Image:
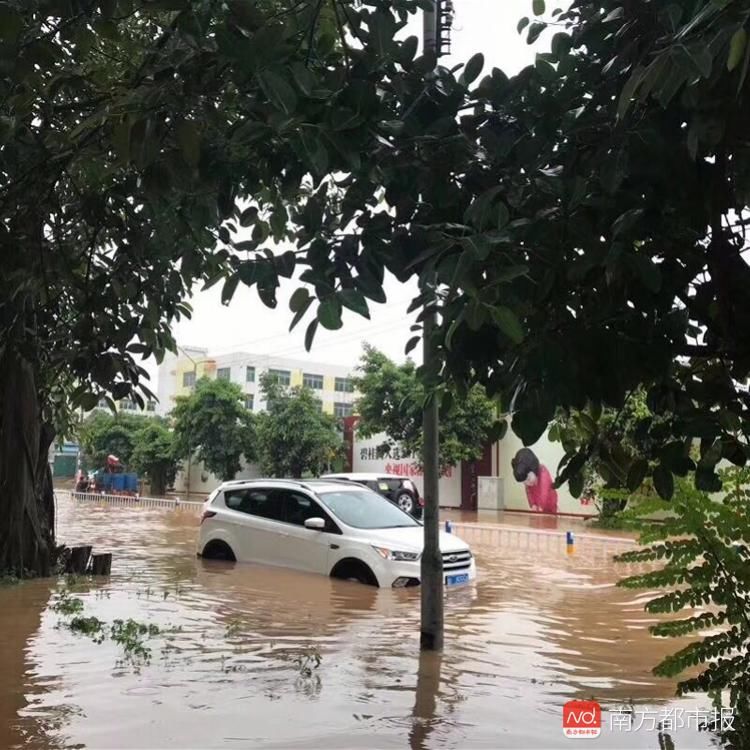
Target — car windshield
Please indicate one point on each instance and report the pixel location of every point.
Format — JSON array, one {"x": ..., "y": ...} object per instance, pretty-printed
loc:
[{"x": 363, "y": 509}]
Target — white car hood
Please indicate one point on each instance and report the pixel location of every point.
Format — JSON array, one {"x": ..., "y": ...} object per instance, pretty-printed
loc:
[{"x": 411, "y": 539}]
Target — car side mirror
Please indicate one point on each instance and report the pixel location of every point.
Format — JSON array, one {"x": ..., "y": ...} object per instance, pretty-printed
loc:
[{"x": 316, "y": 524}]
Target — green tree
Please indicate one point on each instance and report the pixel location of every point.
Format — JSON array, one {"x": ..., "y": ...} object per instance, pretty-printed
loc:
[
  {"x": 618, "y": 445},
  {"x": 154, "y": 455},
  {"x": 136, "y": 139},
  {"x": 295, "y": 437},
  {"x": 704, "y": 576},
  {"x": 392, "y": 401},
  {"x": 584, "y": 221},
  {"x": 213, "y": 425},
  {"x": 103, "y": 433}
]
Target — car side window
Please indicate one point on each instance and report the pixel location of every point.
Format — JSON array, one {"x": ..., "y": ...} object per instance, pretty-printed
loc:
[
  {"x": 298, "y": 508},
  {"x": 255, "y": 502}
]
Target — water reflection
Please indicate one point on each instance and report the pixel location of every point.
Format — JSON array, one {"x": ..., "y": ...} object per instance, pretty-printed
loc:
[
  {"x": 536, "y": 629},
  {"x": 425, "y": 702}
]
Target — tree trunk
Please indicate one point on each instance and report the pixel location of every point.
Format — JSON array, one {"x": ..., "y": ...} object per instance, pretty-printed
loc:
[
  {"x": 27, "y": 503},
  {"x": 158, "y": 482}
]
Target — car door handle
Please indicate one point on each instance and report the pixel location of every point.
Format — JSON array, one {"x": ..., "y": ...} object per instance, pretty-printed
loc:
[{"x": 334, "y": 546}]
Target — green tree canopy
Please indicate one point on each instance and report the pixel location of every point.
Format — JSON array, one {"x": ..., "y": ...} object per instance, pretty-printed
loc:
[
  {"x": 295, "y": 437},
  {"x": 213, "y": 425},
  {"x": 154, "y": 455},
  {"x": 103, "y": 433},
  {"x": 392, "y": 401},
  {"x": 146, "y": 145}
]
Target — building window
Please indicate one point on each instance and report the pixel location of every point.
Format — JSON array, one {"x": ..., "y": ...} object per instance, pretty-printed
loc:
[
  {"x": 282, "y": 377},
  {"x": 249, "y": 374},
  {"x": 128, "y": 405},
  {"x": 224, "y": 373},
  {"x": 344, "y": 385},
  {"x": 312, "y": 381},
  {"x": 188, "y": 379},
  {"x": 249, "y": 401},
  {"x": 151, "y": 406},
  {"x": 342, "y": 410}
]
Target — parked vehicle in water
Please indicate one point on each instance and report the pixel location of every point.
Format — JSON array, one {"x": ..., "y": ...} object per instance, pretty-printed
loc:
[
  {"x": 111, "y": 479},
  {"x": 334, "y": 527},
  {"x": 399, "y": 490}
]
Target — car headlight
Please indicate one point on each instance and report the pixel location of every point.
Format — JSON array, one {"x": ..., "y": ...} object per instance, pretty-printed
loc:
[{"x": 397, "y": 555}]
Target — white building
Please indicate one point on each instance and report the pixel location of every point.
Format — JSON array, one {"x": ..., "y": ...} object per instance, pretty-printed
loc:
[{"x": 177, "y": 374}]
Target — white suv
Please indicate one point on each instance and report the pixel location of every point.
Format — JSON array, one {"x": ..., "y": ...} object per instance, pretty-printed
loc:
[{"x": 335, "y": 528}]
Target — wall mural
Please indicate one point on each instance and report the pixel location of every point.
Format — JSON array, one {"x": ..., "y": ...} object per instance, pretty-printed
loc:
[{"x": 540, "y": 488}]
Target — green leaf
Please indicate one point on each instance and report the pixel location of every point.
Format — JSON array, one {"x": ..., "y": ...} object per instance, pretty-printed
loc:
[
  {"x": 522, "y": 24},
  {"x": 329, "y": 314},
  {"x": 614, "y": 15},
  {"x": 664, "y": 482},
  {"x": 355, "y": 301},
  {"x": 478, "y": 245},
  {"x": 575, "y": 484},
  {"x": 628, "y": 91},
  {"x": 649, "y": 272},
  {"x": 248, "y": 216},
  {"x": 480, "y": 211},
  {"x": 538, "y": 7},
  {"x": 535, "y": 31},
  {"x": 230, "y": 287},
  {"x": 278, "y": 91},
  {"x": 412, "y": 343},
  {"x": 310, "y": 334},
  {"x": 189, "y": 139},
  {"x": 509, "y": 273},
  {"x": 300, "y": 312},
  {"x": 88, "y": 401},
  {"x": 701, "y": 57},
  {"x": 637, "y": 474},
  {"x": 303, "y": 78},
  {"x": 736, "y": 48},
  {"x": 503, "y": 215},
  {"x": 473, "y": 69},
  {"x": 299, "y": 299},
  {"x": 11, "y": 23},
  {"x": 507, "y": 321},
  {"x": 475, "y": 314},
  {"x": 315, "y": 152}
]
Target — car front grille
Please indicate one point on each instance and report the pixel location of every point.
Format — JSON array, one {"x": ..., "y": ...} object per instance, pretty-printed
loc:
[{"x": 456, "y": 560}]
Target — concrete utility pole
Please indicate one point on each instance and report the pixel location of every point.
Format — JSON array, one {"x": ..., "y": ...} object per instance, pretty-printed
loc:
[{"x": 435, "y": 38}]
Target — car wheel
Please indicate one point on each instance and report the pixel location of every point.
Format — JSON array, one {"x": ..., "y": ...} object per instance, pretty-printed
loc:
[
  {"x": 405, "y": 501},
  {"x": 218, "y": 550},
  {"x": 354, "y": 570}
]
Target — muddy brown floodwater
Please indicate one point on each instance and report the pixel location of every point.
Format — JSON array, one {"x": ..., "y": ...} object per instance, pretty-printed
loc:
[{"x": 538, "y": 628}]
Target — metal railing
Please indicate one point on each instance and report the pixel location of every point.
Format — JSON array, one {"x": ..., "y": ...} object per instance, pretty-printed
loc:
[{"x": 132, "y": 501}]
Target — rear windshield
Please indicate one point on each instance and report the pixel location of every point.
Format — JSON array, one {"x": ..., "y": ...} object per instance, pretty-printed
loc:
[{"x": 363, "y": 509}]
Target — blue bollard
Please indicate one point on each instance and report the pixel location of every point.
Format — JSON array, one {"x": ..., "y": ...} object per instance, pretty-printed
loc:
[{"x": 448, "y": 527}]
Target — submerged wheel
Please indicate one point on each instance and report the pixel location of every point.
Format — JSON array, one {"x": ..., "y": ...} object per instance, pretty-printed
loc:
[
  {"x": 218, "y": 550},
  {"x": 354, "y": 570}
]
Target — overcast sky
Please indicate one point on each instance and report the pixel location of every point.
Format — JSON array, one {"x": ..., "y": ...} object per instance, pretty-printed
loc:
[{"x": 487, "y": 26}]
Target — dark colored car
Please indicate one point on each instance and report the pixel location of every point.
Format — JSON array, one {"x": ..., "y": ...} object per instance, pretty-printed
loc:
[{"x": 399, "y": 490}]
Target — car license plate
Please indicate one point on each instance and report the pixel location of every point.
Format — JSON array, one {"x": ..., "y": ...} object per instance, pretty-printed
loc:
[{"x": 454, "y": 580}]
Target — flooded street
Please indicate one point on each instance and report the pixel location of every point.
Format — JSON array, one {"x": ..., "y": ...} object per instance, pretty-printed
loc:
[{"x": 239, "y": 669}]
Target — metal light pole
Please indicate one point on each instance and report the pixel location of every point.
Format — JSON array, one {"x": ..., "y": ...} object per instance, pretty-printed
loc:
[
  {"x": 190, "y": 456},
  {"x": 435, "y": 28}
]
